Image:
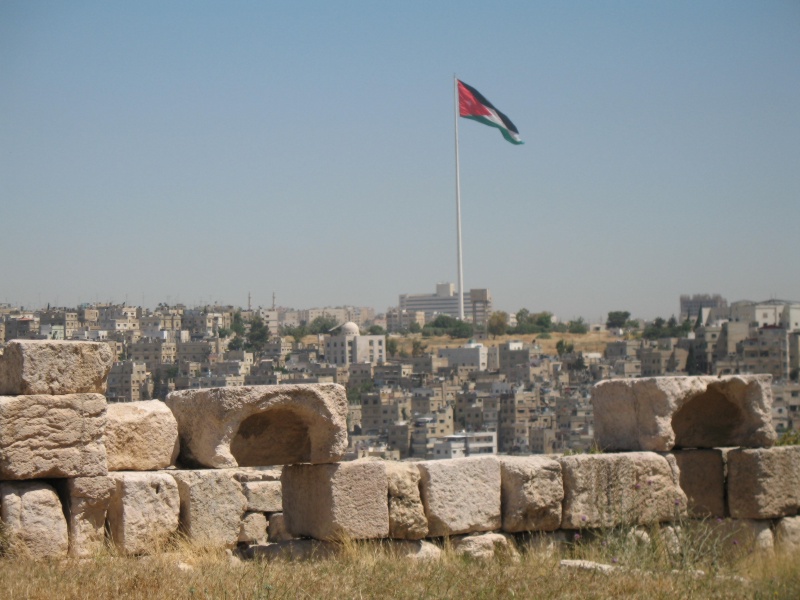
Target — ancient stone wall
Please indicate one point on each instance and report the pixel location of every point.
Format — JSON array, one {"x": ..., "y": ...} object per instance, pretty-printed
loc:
[{"x": 258, "y": 466}]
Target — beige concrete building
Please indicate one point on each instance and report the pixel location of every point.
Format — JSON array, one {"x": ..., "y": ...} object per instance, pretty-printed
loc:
[
  {"x": 349, "y": 346},
  {"x": 129, "y": 381}
]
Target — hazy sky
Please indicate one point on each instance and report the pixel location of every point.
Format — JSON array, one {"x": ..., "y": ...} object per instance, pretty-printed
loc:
[{"x": 197, "y": 151}]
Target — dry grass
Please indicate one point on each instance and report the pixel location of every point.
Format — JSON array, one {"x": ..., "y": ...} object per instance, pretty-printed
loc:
[{"x": 370, "y": 571}]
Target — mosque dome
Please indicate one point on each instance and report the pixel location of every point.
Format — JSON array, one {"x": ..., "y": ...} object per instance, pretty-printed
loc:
[{"x": 350, "y": 328}]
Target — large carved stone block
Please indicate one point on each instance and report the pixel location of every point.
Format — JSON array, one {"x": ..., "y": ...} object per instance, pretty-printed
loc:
[
  {"x": 532, "y": 492},
  {"x": 331, "y": 502},
  {"x": 764, "y": 483},
  {"x": 263, "y": 496},
  {"x": 141, "y": 436},
  {"x": 29, "y": 367},
  {"x": 261, "y": 425},
  {"x": 212, "y": 506},
  {"x": 604, "y": 490},
  {"x": 32, "y": 515},
  {"x": 144, "y": 510},
  {"x": 702, "y": 478},
  {"x": 406, "y": 513},
  {"x": 461, "y": 495},
  {"x": 52, "y": 436},
  {"x": 662, "y": 413},
  {"x": 87, "y": 507}
]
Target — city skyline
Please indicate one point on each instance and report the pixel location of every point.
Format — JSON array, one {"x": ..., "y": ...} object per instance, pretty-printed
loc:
[{"x": 199, "y": 152}]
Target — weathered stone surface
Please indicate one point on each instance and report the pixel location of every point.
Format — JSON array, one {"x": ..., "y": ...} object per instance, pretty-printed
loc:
[
  {"x": 764, "y": 483},
  {"x": 603, "y": 490},
  {"x": 787, "y": 535},
  {"x": 30, "y": 367},
  {"x": 33, "y": 518},
  {"x": 295, "y": 550},
  {"x": 659, "y": 413},
  {"x": 246, "y": 474},
  {"x": 253, "y": 528},
  {"x": 261, "y": 425},
  {"x": 331, "y": 502},
  {"x": 461, "y": 495},
  {"x": 141, "y": 436},
  {"x": 144, "y": 510},
  {"x": 485, "y": 545},
  {"x": 406, "y": 514},
  {"x": 702, "y": 478},
  {"x": 276, "y": 529},
  {"x": 87, "y": 507},
  {"x": 532, "y": 492},
  {"x": 52, "y": 436},
  {"x": 415, "y": 549},
  {"x": 212, "y": 506},
  {"x": 263, "y": 496}
]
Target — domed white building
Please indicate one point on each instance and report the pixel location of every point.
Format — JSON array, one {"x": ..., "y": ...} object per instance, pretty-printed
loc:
[{"x": 349, "y": 346}]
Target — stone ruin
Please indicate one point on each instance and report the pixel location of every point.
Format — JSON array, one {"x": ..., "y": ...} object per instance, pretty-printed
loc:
[{"x": 259, "y": 467}]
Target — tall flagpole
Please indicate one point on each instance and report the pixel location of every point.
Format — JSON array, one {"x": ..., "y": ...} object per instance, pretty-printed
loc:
[{"x": 458, "y": 212}]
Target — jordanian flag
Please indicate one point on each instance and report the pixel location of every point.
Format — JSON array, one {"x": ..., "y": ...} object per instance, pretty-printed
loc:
[{"x": 472, "y": 105}]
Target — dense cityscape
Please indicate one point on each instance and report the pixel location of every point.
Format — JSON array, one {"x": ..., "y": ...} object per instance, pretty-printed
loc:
[{"x": 420, "y": 382}]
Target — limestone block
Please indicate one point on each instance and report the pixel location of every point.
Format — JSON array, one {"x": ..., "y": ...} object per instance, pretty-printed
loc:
[
  {"x": 87, "y": 507},
  {"x": 787, "y": 535},
  {"x": 45, "y": 436},
  {"x": 261, "y": 425},
  {"x": 484, "y": 545},
  {"x": 603, "y": 490},
  {"x": 415, "y": 549},
  {"x": 141, "y": 436},
  {"x": 331, "y": 502},
  {"x": 144, "y": 510},
  {"x": 764, "y": 483},
  {"x": 461, "y": 495},
  {"x": 659, "y": 413},
  {"x": 702, "y": 478},
  {"x": 33, "y": 518},
  {"x": 406, "y": 514},
  {"x": 263, "y": 496},
  {"x": 276, "y": 529},
  {"x": 212, "y": 506},
  {"x": 30, "y": 367},
  {"x": 253, "y": 528},
  {"x": 532, "y": 492},
  {"x": 246, "y": 474}
]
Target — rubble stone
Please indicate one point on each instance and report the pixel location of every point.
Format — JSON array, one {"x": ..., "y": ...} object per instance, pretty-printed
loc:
[
  {"x": 532, "y": 493},
  {"x": 603, "y": 490},
  {"x": 331, "y": 502},
  {"x": 44, "y": 436},
  {"x": 461, "y": 495},
  {"x": 764, "y": 483},
  {"x": 702, "y": 478},
  {"x": 212, "y": 506},
  {"x": 484, "y": 545},
  {"x": 263, "y": 496},
  {"x": 659, "y": 413},
  {"x": 276, "y": 529},
  {"x": 87, "y": 507},
  {"x": 787, "y": 535},
  {"x": 32, "y": 515},
  {"x": 406, "y": 512},
  {"x": 51, "y": 367},
  {"x": 253, "y": 528},
  {"x": 141, "y": 436},
  {"x": 144, "y": 510},
  {"x": 261, "y": 425}
]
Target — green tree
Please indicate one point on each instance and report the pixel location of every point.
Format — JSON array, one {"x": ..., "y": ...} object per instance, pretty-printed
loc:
[
  {"x": 257, "y": 337},
  {"x": 692, "y": 366},
  {"x": 236, "y": 344},
  {"x": 498, "y": 323},
  {"x": 414, "y": 327},
  {"x": 377, "y": 330},
  {"x": 391, "y": 347},
  {"x": 617, "y": 319},
  {"x": 237, "y": 324},
  {"x": 578, "y": 326},
  {"x": 417, "y": 348},
  {"x": 563, "y": 347},
  {"x": 298, "y": 332},
  {"x": 322, "y": 324}
]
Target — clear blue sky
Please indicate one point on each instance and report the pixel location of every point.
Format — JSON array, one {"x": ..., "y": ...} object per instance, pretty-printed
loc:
[{"x": 197, "y": 151}]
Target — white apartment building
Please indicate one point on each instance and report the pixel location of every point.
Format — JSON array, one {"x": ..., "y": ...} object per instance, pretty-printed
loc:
[
  {"x": 459, "y": 445},
  {"x": 349, "y": 346},
  {"x": 471, "y": 356},
  {"x": 477, "y": 303}
]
